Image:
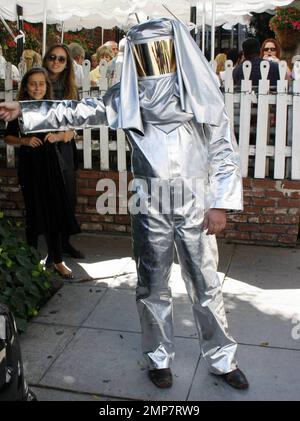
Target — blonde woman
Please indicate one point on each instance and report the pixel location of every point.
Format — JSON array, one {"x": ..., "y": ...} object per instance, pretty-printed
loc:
[
  {"x": 32, "y": 59},
  {"x": 103, "y": 53}
]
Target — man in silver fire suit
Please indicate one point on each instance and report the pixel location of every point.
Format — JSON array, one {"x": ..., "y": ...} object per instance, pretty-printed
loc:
[{"x": 169, "y": 104}]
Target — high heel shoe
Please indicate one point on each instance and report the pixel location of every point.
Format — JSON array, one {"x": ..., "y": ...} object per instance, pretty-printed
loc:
[{"x": 68, "y": 275}]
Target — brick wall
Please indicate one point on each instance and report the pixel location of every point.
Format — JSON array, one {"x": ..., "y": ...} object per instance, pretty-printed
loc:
[
  {"x": 11, "y": 199},
  {"x": 270, "y": 217},
  {"x": 87, "y": 197},
  {"x": 271, "y": 213}
]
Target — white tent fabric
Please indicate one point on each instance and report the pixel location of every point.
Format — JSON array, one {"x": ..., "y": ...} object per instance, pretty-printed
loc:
[{"x": 110, "y": 13}]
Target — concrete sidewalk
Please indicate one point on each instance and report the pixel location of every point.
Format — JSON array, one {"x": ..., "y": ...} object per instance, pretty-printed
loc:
[{"x": 85, "y": 343}]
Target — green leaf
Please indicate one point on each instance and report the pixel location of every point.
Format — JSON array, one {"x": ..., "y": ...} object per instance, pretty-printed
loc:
[
  {"x": 35, "y": 273},
  {"x": 7, "y": 292},
  {"x": 32, "y": 312},
  {"x": 24, "y": 261},
  {"x": 9, "y": 263},
  {"x": 47, "y": 285}
]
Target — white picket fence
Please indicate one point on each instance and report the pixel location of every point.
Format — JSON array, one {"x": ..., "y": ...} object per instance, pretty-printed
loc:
[
  {"x": 275, "y": 131},
  {"x": 266, "y": 123}
]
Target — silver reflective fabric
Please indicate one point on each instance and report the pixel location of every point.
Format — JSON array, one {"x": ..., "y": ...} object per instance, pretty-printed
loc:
[
  {"x": 44, "y": 116},
  {"x": 180, "y": 135}
]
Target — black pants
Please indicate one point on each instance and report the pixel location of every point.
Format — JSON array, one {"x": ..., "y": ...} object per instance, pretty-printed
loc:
[
  {"x": 54, "y": 244},
  {"x": 31, "y": 238}
]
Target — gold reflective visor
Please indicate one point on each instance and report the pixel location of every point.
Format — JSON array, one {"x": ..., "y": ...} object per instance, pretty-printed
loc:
[{"x": 155, "y": 58}]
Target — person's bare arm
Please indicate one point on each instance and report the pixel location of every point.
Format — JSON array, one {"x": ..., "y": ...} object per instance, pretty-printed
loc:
[
  {"x": 31, "y": 141},
  {"x": 60, "y": 136}
]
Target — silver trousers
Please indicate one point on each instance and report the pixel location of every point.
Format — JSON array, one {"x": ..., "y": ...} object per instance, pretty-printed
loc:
[{"x": 154, "y": 237}]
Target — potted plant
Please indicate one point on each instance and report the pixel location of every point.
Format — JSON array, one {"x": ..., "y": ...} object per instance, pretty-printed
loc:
[
  {"x": 24, "y": 284},
  {"x": 286, "y": 26}
]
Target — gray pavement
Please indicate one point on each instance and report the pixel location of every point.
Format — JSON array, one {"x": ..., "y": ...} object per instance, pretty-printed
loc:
[{"x": 85, "y": 343}]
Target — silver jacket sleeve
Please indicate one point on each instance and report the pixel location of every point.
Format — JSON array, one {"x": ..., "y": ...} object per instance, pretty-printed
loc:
[
  {"x": 43, "y": 116},
  {"x": 226, "y": 189}
]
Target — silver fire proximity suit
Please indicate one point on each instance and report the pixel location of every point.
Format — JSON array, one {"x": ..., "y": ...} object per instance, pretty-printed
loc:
[{"x": 170, "y": 106}]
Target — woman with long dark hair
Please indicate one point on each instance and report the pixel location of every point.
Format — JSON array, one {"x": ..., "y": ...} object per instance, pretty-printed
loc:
[
  {"x": 58, "y": 63},
  {"x": 47, "y": 204}
]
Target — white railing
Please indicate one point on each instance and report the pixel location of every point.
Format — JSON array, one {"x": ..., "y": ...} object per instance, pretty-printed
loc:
[{"x": 266, "y": 123}]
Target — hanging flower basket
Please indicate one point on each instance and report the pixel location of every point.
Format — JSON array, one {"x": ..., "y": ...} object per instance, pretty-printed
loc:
[
  {"x": 287, "y": 39},
  {"x": 286, "y": 25}
]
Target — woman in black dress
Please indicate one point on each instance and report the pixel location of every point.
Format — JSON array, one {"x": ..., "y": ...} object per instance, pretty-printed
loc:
[
  {"x": 58, "y": 63},
  {"x": 41, "y": 176}
]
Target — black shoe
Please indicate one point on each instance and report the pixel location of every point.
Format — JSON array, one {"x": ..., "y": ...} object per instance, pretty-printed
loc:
[
  {"x": 236, "y": 379},
  {"x": 162, "y": 377},
  {"x": 71, "y": 251}
]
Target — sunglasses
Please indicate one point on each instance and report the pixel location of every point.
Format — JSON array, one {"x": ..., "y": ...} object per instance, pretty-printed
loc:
[
  {"x": 60, "y": 59},
  {"x": 270, "y": 49}
]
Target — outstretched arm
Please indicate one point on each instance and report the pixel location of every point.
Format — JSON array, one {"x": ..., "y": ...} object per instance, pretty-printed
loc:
[
  {"x": 43, "y": 116},
  {"x": 10, "y": 110}
]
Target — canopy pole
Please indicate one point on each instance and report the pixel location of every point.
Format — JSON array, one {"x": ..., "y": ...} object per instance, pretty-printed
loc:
[
  {"x": 20, "y": 41},
  {"x": 203, "y": 25},
  {"x": 62, "y": 32},
  {"x": 232, "y": 37},
  {"x": 193, "y": 19},
  {"x": 7, "y": 28},
  {"x": 213, "y": 29},
  {"x": 44, "y": 28},
  {"x": 171, "y": 13}
]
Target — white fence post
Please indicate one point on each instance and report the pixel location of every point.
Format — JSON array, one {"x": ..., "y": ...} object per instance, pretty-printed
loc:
[
  {"x": 87, "y": 135},
  {"x": 228, "y": 87},
  {"x": 22, "y": 68},
  {"x": 296, "y": 124},
  {"x": 281, "y": 123},
  {"x": 8, "y": 96},
  {"x": 245, "y": 117},
  {"x": 104, "y": 148},
  {"x": 121, "y": 150},
  {"x": 262, "y": 121},
  {"x": 104, "y": 131}
]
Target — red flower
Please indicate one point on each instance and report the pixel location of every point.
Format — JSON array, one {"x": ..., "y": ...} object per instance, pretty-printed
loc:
[
  {"x": 285, "y": 18},
  {"x": 27, "y": 26},
  {"x": 296, "y": 25},
  {"x": 11, "y": 44}
]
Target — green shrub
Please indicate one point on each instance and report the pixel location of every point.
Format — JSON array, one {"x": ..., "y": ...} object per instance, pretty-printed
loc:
[{"x": 24, "y": 284}]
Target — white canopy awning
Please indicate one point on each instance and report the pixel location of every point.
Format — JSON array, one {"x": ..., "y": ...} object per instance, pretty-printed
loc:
[{"x": 110, "y": 13}]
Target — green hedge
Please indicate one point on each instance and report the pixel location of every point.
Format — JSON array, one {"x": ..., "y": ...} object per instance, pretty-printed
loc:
[{"x": 24, "y": 284}]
